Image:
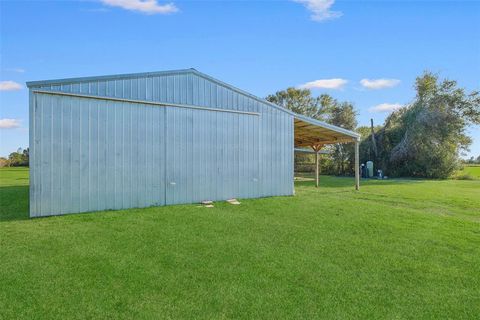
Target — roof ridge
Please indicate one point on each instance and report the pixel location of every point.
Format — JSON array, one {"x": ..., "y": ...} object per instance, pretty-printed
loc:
[{"x": 109, "y": 77}]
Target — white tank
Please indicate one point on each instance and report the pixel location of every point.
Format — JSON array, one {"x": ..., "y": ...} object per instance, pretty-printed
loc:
[{"x": 370, "y": 169}]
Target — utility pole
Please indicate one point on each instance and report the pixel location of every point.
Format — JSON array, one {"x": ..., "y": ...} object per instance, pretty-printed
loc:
[{"x": 374, "y": 143}]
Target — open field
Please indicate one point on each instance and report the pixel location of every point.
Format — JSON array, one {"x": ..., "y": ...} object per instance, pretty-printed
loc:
[
  {"x": 472, "y": 170},
  {"x": 396, "y": 249}
]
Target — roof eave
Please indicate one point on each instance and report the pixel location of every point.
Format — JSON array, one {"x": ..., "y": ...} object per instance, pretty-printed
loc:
[
  {"x": 107, "y": 77},
  {"x": 325, "y": 125}
]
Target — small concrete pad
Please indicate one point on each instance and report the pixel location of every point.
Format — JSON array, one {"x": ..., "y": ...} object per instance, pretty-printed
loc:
[{"x": 233, "y": 201}]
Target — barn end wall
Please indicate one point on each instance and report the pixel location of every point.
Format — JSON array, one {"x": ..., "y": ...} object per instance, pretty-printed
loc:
[{"x": 89, "y": 154}]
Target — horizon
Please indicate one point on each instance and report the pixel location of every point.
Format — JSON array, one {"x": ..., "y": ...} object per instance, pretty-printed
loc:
[{"x": 245, "y": 44}]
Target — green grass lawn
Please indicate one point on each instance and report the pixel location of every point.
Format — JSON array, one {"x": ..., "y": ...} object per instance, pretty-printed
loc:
[
  {"x": 472, "y": 170},
  {"x": 397, "y": 249}
]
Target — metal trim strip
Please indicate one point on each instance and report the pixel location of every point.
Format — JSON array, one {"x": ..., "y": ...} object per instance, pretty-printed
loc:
[{"x": 163, "y": 104}]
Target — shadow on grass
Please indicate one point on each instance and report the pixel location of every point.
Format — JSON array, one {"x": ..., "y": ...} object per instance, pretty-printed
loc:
[
  {"x": 14, "y": 203},
  {"x": 14, "y": 199},
  {"x": 342, "y": 182}
]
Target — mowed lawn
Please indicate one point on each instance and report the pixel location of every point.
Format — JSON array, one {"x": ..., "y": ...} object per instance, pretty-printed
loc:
[
  {"x": 397, "y": 249},
  {"x": 472, "y": 170}
]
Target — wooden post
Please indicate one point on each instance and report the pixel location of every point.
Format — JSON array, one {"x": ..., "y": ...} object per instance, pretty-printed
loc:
[
  {"x": 357, "y": 165},
  {"x": 317, "y": 149}
]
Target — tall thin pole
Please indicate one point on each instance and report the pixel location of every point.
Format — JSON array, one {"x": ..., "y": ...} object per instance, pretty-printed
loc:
[
  {"x": 374, "y": 143},
  {"x": 317, "y": 149},
  {"x": 357, "y": 165}
]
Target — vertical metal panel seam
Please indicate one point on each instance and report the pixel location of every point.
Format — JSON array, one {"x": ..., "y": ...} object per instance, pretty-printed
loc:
[
  {"x": 35, "y": 158},
  {"x": 32, "y": 171},
  {"x": 145, "y": 170},
  {"x": 165, "y": 153},
  {"x": 105, "y": 159},
  {"x": 41, "y": 157},
  {"x": 61, "y": 103},
  {"x": 70, "y": 104},
  {"x": 79, "y": 153},
  {"x": 115, "y": 178},
  {"x": 238, "y": 163},
  {"x": 149, "y": 147},
  {"x": 98, "y": 106}
]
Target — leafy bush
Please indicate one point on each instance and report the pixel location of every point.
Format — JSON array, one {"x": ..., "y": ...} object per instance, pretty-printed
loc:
[{"x": 425, "y": 138}]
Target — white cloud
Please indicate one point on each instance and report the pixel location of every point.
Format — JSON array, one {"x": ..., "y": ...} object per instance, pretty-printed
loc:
[
  {"x": 375, "y": 84},
  {"x": 9, "y": 123},
  {"x": 144, "y": 6},
  {"x": 336, "y": 83},
  {"x": 101, "y": 10},
  {"x": 320, "y": 9},
  {"x": 10, "y": 86},
  {"x": 386, "y": 107},
  {"x": 19, "y": 70}
]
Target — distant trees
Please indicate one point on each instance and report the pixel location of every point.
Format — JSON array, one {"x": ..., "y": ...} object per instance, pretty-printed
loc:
[
  {"x": 425, "y": 138},
  {"x": 473, "y": 160},
  {"x": 16, "y": 159},
  {"x": 342, "y": 114}
]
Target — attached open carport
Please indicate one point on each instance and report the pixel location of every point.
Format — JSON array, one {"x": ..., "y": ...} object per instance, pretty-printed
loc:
[{"x": 311, "y": 133}]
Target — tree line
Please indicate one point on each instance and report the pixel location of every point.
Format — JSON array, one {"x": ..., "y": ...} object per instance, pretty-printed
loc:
[
  {"x": 425, "y": 138},
  {"x": 20, "y": 158},
  {"x": 472, "y": 160}
]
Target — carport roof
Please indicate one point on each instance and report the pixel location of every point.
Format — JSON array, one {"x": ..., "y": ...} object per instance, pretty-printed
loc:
[{"x": 309, "y": 132}]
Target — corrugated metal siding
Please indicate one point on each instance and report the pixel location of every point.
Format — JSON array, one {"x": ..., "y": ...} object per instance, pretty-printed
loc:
[
  {"x": 276, "y": 152},
  {"x": 188, "y": 88},
  {"x": 92, "y": 155},
  {"x": 88, "y": 154},
  {"x": 206, "y": 155}
]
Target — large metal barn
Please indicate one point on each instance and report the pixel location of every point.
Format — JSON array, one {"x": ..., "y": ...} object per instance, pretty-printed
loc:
[{"x": 160, "y": 138}]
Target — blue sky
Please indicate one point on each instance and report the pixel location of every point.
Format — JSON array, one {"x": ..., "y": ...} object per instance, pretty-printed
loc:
[{"x": 258, "y": 46}]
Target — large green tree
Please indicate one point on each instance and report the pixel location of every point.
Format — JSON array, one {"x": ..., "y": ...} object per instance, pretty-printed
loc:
[
  {"x": 19, "y": 158},
  {"x": 426, "y": 137},
  {"x": 299, "y": 101},
  {"x": 343, "y": 114}
]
